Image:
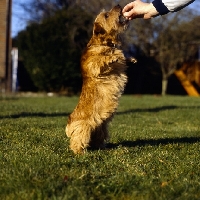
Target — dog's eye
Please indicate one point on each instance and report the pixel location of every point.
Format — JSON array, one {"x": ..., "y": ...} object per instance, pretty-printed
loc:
[{"x": 106, "y": 15}]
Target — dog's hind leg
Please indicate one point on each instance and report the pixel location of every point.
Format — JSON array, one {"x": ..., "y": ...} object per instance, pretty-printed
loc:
[
  {"x": 99, "y": 136},
  {"x": 80, "y": 133}
]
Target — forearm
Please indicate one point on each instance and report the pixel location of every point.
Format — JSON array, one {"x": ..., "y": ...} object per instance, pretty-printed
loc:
[{"x": 165, "y": 6}]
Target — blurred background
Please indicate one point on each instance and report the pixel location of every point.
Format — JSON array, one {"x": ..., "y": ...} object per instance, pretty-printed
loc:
[{"x": 42, "y": 41}]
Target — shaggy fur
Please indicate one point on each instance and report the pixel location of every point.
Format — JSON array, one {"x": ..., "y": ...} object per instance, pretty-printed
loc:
[{"x": 103, "y": 68}]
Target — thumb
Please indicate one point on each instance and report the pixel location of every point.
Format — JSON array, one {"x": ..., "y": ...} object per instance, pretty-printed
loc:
[{"x": 126, "y": 14}]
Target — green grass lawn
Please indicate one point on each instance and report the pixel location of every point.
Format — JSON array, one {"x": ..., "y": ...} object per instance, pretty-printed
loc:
[{"x": 154, "y": 151}]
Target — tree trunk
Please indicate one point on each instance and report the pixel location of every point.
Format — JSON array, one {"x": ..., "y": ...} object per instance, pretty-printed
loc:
[{"x": 164, "y": 86}]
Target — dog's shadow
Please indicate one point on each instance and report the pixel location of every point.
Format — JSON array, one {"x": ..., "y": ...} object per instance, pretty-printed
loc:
[
  {"x": 156, "y": 109},
  {"x": 35, "y": 114},
  {"x": 153, "y": 142}
]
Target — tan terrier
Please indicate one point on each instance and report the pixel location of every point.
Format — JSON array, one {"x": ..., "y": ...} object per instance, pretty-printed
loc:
[{"x": 103, "y": 68}]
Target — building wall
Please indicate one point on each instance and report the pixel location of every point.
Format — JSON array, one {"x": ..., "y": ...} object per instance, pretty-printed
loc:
[{"x": 3, "y": 27}]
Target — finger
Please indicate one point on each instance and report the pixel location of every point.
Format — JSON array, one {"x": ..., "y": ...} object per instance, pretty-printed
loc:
[
  {"x": 128, "y": 7},
  {"x": 129, "y": 14}
]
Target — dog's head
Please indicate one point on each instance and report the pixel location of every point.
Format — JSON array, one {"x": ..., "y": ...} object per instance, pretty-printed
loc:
[{"x": 108, "y": 26}]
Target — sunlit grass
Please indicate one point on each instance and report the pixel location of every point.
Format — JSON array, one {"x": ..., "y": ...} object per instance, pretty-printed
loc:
[{"x": 153, "y": 152}]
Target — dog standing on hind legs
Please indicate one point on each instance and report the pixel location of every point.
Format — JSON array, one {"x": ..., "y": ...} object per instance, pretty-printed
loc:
[{"x": 103, "y": 68}]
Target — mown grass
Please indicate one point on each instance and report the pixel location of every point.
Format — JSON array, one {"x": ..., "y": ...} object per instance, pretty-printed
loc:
[{"x": 154, "y": 151}]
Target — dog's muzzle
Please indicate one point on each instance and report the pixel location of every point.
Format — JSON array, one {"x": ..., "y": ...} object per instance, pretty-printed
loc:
[{"x": 123, "y": 20}]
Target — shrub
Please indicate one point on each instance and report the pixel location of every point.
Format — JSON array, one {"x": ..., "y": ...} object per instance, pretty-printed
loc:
[{"x": 51, "y": 50}]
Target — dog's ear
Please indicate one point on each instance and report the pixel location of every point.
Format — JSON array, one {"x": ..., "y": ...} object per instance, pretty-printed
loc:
[{"x": 98, "y": 29}]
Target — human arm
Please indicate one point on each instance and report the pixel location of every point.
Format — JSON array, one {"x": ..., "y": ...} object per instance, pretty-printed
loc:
[{"x": 139, "y": 9}]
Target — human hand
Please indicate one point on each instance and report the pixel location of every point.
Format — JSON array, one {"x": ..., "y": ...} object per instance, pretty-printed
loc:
[{"x": 139, "y": 9}]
